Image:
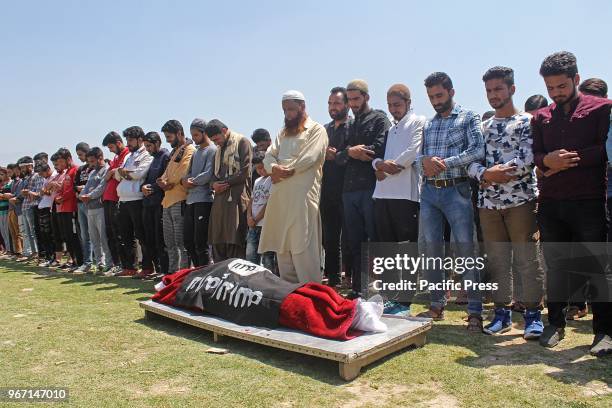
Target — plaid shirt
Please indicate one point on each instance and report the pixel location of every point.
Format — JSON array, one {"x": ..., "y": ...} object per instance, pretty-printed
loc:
[
  {"x": 457, "y": 139},
  {"x": 34, "y": 184}
]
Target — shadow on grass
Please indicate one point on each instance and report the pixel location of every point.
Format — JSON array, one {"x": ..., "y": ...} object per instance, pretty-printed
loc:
[
  {"x": 571, "y": 365},
  {"x": 104, "y": 283},
  {"x": 316, "y": 368}
]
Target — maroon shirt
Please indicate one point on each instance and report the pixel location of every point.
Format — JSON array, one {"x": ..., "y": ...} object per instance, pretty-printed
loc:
[{"x": 584, "y": 130}]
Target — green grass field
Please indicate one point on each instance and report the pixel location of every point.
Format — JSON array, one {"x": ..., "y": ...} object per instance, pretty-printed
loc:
[{"x": 88, "y": 334}]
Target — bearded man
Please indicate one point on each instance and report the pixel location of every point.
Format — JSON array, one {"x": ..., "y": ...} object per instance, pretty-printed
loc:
[{"x": 292, "y": 225}]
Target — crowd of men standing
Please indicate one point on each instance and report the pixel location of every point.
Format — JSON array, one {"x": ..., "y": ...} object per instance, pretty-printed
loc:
[{"x": 510, "y": 176}]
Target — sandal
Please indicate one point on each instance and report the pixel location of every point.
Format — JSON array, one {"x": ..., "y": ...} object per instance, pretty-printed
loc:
[
  {"x": 474, "y": 324},
  {"x": 433, "y": 313}
]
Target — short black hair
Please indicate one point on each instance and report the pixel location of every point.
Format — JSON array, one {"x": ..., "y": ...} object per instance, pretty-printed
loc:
[
  {"x": 152, "y": 137},
  {"x": 41, "y": 166},
  {"x": 260, "y": 135},
  {"x": 594, "y": 86},
  {"x": 173, "y": 126},
  {"x": 133, "y": 132},
  {"x": 339, "y": 89},
  {"x": 214, "y": 127},
  {"x": 41, "y": 156},
  {"x": 439, "y": 78},
  {"x": 504, "y": 73},
  {"x": 11, "y": 166},
  {"x": 54, "y": 157},
  {"x": 95, "y": 152},
  {"x": 559, "y": 63},
  {"x": 535, "y": 102},
  {"x": 63, "y": 153},
  {"x": 111, "y": 138},
  {"x": 84, "y": 147},
  {"x": 258, "y": 157}
]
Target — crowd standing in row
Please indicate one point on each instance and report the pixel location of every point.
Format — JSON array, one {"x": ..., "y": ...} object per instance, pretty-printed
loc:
[{"x": 505, "y": 177}]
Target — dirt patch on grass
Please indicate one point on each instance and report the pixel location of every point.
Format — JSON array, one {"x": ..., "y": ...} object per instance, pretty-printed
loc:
[{"x": 419, "y": 395}]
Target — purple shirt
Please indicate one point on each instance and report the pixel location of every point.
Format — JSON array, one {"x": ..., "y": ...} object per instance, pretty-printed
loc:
[{"x": 584, "y": 130}]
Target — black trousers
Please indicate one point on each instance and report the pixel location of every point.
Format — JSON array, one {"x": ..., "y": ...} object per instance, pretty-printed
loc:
[
  {"x": 195, "y": 232},
  {"x": 332, "y": 221},
  {"x": 154, "y": 237},
  {"x": 45, "y": 234},
  {"x": 68, "y": 225},
  {"x": 132, "y": 229},
  {"x": 396, "y": 220},
  {"x": 42, "y": 250},
  {"x": 56, "y": 231},
  {"x": 573, "y": 221},
  {"x": 113, "y": 231}
]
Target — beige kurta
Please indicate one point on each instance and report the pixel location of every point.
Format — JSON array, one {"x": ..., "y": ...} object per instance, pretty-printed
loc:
[{"x": 292, "y": 222}]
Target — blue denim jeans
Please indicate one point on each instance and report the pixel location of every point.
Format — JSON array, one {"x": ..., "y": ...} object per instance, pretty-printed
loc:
[
  {"x": 455, "y": 204},
  {"x": 268, "y": 259},
  {"x": 29, "y": 231},
  {"x": 84, "y": 233}
]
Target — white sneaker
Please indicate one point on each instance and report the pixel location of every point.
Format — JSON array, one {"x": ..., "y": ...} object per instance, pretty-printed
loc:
[{"x": 114, "y": 271}]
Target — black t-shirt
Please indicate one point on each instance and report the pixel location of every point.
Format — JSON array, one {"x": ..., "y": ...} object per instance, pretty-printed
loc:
[
  {"x": 81, "y": 177},
  {"x": 236, "y": 290}
]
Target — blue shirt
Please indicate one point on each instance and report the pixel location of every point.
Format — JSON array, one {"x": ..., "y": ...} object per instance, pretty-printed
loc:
[{"x": 457, "y": 139}]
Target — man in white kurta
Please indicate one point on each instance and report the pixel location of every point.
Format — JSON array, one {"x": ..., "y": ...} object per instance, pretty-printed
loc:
[{"x": 292, "y": 225}]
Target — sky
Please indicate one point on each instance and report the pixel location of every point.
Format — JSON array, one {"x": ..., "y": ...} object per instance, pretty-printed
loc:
[{"x": 72, "y": 71}]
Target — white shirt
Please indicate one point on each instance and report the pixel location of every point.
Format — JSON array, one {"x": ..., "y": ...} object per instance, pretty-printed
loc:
[
  {"x": 261, "y": 193},
  {"x": 47, "y": 200},
  {"x": 138, "y": 163},
  {"x": 403, "y": 144}
]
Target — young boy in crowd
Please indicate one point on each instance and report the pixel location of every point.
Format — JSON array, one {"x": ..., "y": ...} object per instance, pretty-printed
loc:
[{"x": 255, "y": 214}]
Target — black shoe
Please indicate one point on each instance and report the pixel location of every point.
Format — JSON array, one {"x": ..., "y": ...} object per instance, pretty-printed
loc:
[
  {"x": 602, "y": 345},
  {"x": 551, "y": 336}
]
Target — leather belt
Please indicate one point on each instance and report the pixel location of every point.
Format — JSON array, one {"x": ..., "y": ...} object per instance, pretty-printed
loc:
[{"x": 437, "y": 183}]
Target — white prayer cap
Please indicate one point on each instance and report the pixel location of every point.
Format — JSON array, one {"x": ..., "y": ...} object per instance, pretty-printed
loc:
[{"x": 293, "y": 95}]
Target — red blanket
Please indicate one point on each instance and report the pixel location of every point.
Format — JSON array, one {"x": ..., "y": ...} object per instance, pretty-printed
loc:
[{"x": 313, "y": 308}]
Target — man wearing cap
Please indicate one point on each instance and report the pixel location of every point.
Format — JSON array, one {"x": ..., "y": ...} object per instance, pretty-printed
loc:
[
  {"x": 366, "y": 136},
  {"x": 292, "y": 225},
  {"x": 231, "y": 182},
  {"x": 199, "y": 195},
  {"x": 396, "y": 196}
]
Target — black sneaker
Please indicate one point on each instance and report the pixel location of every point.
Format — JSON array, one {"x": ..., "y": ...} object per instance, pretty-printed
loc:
[
  {"x": 551, "y": 336},
  {"x": 602, "y": 345}
]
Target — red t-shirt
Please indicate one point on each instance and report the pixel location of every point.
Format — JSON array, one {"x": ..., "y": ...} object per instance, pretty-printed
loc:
[
  {"x": 110, "y": 192},
  {"x": 67, "y": 193}
]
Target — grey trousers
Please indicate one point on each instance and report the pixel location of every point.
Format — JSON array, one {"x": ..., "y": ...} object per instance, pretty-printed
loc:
[
  {"x": 97, "y": 235},
  {"x": 173, "y": 219}
]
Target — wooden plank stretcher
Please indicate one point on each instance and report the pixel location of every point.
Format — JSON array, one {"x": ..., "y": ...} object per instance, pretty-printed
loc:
[{"x": 351, "y": 355}]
